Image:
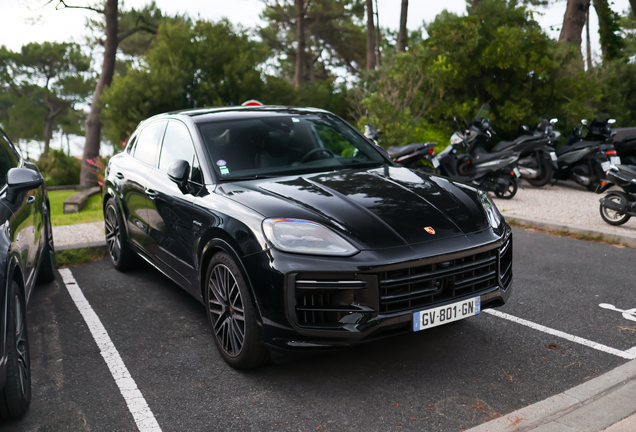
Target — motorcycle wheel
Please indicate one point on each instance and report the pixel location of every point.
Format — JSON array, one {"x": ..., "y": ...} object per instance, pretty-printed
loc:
[
  {"x": 510, "y": 191},
  {"x": 547, "y": 171},
  {"x": 614, "y": 217}
]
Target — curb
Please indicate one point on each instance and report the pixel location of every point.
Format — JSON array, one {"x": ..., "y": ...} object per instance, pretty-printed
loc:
[
  {"x": 544, "y": 415},
  {"x": 99, "y": 244},
  {"x": 628, "y": 240}
]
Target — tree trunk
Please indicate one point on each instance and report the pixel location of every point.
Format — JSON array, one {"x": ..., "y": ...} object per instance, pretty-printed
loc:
[
  {"x": 633, "y": 3},
  {"x": 573, "y": 22},
  {"x": 301, "y": 54},
  {"x": 378, "y": 43},
  {"x": 370, "y": 36},
  {"x": 93, "y": 124},
  {"x": 403, "y": 37},
  {"x": 588, "y": 44},
  {"x": 48, "y": 133}
]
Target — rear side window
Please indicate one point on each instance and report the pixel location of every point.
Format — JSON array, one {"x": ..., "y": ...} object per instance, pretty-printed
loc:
[{"x": 147, "y": 146}]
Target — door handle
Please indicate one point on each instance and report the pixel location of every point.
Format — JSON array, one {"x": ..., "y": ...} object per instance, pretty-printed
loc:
[
  {"x": 119, "y": 175},
  {"x": 152, "y": 194},
  {"x": 31, "y": 199}
]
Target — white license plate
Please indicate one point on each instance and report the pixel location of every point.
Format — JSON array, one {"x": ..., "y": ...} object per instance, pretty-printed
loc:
[
  {"x": 445, "y": 314},
  {"x": 516, "y": 170},
  {"x": 553, "y": 156},
  {"x": 435, "y": 162},
  {"x": 615, "y": 160},
  {"x": 605, "y": 166}
]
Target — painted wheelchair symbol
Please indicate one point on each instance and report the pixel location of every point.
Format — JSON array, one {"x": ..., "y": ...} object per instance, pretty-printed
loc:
[{"x": 629, "y": 314}]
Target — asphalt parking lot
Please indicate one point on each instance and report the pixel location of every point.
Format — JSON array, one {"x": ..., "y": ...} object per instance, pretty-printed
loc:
[{"x": 443, "y": 379}]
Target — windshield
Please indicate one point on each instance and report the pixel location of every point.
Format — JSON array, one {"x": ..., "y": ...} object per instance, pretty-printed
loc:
[
  {"x": 284, "y": 144},
  {"x": 484, "y": 113}
]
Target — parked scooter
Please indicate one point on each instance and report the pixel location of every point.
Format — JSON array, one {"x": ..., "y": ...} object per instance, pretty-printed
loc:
[
  {"x": 624, "y": 140},
  {"x": 537, "y": 160},
  {"x": 586, "y": 160},
  {"x": 496, "y": 172},
  {"x": 618, "y": 207},
  {"x": 407, "y": 156}
]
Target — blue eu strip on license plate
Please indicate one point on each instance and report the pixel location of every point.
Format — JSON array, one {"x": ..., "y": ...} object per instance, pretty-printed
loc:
[{"x": 445, "y": 314}]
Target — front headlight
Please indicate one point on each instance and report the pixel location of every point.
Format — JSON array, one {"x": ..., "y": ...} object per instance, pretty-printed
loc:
[
  {"x": 492, "y": 212},
  {"x": 305, "y": 237},
  {"x": 456, "y": 138}
]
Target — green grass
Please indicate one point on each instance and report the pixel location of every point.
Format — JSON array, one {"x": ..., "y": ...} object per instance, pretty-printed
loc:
[
  {"x": 74, "y": 257},
  {"x": 92, "y": 212}
]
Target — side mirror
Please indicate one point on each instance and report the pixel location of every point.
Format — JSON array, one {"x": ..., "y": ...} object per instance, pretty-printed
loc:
[
  {"x": 179, "y": 171},
  {"x": 584, "y": 122},
  {"x": 22, "y": 179},
  {"x": 525, "y": 128},
  {"x": 611, "y": 121},
  {"x": 554, "y": 121}
]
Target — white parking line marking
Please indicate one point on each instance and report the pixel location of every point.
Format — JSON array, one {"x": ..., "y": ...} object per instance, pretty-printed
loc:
[
  {"x": 137, "y": 405},
  {"x": 597, "y": 346},
  {"x": 629, "y": 314}
]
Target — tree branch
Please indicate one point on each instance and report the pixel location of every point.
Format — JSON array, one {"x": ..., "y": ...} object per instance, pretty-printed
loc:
[
  {"x": 63, "y": 3},
  {"x": 134, "y": 30}
]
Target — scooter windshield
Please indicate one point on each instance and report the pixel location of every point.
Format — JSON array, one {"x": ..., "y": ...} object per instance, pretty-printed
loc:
[{"x": 484, "y": 113}]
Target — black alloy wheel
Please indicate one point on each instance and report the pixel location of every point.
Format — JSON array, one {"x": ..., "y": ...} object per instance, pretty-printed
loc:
[
  {"x": 15, "y": 398},
  {"x": 614, "y": 217},
  {"x": 509, "y": 191},
  {"x": 47, "y": 263},
  {"x": 231, "y": 314},
  {"x": 120, "y": 253},
  {"x": 546, "y": 171}
]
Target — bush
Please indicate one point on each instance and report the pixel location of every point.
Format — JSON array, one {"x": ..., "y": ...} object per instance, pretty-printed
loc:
[{"x": 59, "y": 169}]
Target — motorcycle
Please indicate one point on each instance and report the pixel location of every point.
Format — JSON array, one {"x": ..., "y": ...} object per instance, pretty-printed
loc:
[
  {"x": 586, "y": 159},
  {"x": 537, "y": 160},
  {"x": 496, "y": 172},
  {"x": 407, "y": 156},
  {"x": 618, "y": 207}
]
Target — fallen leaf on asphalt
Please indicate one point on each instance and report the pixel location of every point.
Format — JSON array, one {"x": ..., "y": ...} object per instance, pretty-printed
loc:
[
  {"x": 398, "y": 404},
  {"x": 508, "y": 377},
  {"x": 575, "y": 363},
  {"x": 413, "y": 418}
]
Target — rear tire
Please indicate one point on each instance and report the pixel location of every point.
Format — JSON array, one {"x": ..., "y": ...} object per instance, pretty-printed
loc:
[
  {"x": 614, "y": 217},
  {"x": 547, "y": 171},
  {"x": 121, "y": 255},
  {"x": 15, "y": 397},
  {"x": 232, "y": 315},
  {"x": 510, "y": 192}
]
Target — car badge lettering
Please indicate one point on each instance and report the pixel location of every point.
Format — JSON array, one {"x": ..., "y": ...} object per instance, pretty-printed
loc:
[{"x": 429, "y": 230}]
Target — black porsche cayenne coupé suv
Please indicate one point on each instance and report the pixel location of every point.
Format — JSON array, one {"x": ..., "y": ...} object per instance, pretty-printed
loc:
[
  {"x": 26, "y": 255},
  {"x": 297, "y": 233}
]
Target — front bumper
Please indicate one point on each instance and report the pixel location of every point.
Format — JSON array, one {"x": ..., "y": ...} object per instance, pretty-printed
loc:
[{"x": 320, "y": 303}]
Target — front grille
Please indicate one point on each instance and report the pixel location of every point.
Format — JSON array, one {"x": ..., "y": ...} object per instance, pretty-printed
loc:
[
  {"x": 421, "y": 286},
  {"x": 505, "y": 263},
  {"x": 324, "y": 303}
]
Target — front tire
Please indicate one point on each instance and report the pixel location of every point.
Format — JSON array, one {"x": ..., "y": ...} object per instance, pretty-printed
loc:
[
  {"x": 231, "y": 314},
  {"x": 121, "y": 255},
  {"x": 614, "y": 217},
  {"x": 15, "y": 397}
]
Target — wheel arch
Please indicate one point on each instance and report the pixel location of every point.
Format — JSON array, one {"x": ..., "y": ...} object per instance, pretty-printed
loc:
[{"x": 216, "y": 240}]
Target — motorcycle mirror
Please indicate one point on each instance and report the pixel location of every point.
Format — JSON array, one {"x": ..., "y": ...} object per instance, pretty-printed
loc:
[
  {"x": 584, "y": 122},
  {"x": 611, "y": 121},
  {"x": 379, "y": 132},
  {"x": 525, "y": 128},
  {"x": 554, "y": 121}
]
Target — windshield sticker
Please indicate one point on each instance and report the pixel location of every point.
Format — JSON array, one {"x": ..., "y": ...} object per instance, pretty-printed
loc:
[
  {"x": 221, "y": 162},
  {"x": 224, "y": 170},
  {"x": 295, "y": 120}
]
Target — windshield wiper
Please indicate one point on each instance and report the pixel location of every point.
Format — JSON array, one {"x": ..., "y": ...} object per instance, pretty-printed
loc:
[{"x": 241, "y": 178}]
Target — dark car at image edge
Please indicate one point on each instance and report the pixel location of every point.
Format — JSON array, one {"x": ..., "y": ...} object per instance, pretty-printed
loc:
[
  {"x": 297, "y": 233},
  {"x": 26, "y": 256}
]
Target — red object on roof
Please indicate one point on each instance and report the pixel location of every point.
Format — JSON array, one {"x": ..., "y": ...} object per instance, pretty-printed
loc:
[{"x": 252, "y": 103}]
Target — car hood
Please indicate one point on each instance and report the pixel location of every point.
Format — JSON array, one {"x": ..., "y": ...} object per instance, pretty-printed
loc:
[{"x": 375, "y": 208}]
